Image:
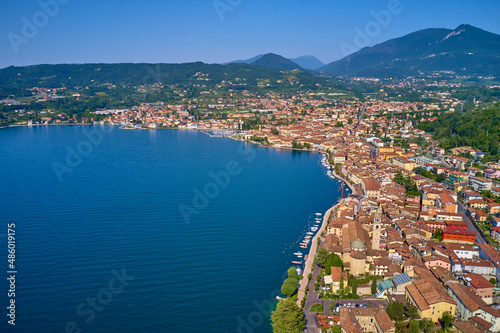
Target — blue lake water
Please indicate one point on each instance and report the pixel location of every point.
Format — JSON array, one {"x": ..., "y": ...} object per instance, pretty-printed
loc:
[{"x": 119, "y": 238}]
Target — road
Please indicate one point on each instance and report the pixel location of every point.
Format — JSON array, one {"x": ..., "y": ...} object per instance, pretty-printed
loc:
[{"x": 471, "y": 225}]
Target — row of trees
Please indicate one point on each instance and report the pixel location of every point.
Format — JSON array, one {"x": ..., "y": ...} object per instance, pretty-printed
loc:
[{"x": 288, "y": 316}]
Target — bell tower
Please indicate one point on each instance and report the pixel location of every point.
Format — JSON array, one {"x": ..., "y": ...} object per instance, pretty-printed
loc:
[{"x": 377, "y": 224}]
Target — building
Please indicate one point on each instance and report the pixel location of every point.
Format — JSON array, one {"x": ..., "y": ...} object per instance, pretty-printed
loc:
[
  {"x": 490, "y": 252},
  {"x": 480, "y": 183},
  {"x": 459, "y": 236},
  {"x": 365, "y": 320},
  {"x": 430, "y": 298},
  {"x": 482, "y": 287},
  {"x": 377, "y": 225},
  {"x": 404, "y": 163},
  {"x": 478, "y": 266},
  {"x": 468, "y": 303},
  {"x": 339, "y": 278}
]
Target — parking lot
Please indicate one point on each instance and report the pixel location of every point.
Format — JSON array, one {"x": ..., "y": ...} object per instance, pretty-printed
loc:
[{"x": 359, "y": 303}]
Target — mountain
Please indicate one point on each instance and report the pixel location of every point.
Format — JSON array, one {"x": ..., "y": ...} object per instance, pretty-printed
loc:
[
  {"x": 466, "y": 50},
  {"x": 275, "y": 61},
  {"x": 247, "y": 61},
  {"x": 16, "y": 80},
  {"x": 308, "y": 62}
]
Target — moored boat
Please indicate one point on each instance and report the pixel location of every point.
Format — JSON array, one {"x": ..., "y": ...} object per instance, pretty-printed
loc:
[
  {"x": 310, "y": 233},
  {"x": 298, "y": 253},
  {"x": 295, "y": 262}
]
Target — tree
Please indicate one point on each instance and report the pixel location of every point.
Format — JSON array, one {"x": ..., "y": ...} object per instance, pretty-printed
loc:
[
  {"x": 321, "y": 257},
  {"x": 336, "y": 329},
  {"x": 426, "y": 325},
  {"x": 493, "y": 281},
  {"x": 374, "y": 285},
  {"x": 439, "y": 235},
  {"x": 395, "y": 311},
  {"x": 446, "y": 319},
  {"x": 414, "y": 326},
  {"x": 292, "y": 272},
  {"x": 411, "y": 311},
  {"x": 289, "y": 286},
  {"x": 288, "y": 317},
  {"x": 333, "y": 260},
  {"x": 354, "y": 285}
]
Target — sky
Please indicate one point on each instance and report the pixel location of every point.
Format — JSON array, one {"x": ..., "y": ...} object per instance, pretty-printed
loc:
[{"x": 217, "y": 31}]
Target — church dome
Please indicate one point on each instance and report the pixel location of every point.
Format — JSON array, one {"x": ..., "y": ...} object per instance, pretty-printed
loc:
[{"x": 358, "y": 245}]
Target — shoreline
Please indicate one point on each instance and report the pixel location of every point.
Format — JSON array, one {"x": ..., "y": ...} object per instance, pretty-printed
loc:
[{"x": 312, "y": 254}]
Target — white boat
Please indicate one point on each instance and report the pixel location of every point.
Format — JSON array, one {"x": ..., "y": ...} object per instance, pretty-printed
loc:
[
  {"x": 314, "y": 229},
  {"x": 309, "y": 233},
  {"x": 307, "y": 237},
  {"x": 318, "y": 214},
  {"x": 298, "y": 253}
]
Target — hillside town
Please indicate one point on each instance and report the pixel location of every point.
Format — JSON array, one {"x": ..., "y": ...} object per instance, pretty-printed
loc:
[{"x": 420, "y": 230}]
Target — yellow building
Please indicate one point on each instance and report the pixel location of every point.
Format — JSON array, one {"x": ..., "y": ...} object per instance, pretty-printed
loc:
[
  {"x": 430, "y": 298},
  {"x": 404, "y": 163}
]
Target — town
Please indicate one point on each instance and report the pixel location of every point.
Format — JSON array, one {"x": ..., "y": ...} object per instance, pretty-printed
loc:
[{"x": 414, "y": 246}]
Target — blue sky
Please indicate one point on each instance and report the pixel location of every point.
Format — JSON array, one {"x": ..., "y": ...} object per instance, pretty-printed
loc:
[{"x": 175, "y": 31}]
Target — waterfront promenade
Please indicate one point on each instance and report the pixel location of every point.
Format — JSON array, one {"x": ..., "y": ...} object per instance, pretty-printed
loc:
[{"x": 310, "y": 258}]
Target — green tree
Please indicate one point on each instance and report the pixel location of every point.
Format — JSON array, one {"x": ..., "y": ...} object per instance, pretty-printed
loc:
[
  {"x": 354, "y": 285},
  {"x": 321, "y": 257},
  {"x": 292, "y": 272},
  {"x": 289, "y": 286},
  {"x": 438, "y": 234},
  {"x": 288, "y": 317},
  {"x": 411, "y": 311},
  {"x": 446, "y": 319},
  {"x": 333, "y": 260},
  {"x": 374, "y": 285},
  {"x": 493, "y": 281},
  {"x": 395, "y": 311},
  {"x": 336, "y": 329},
  {"x": 426, "y": 325},
  {"x": 414, "y": 326}
]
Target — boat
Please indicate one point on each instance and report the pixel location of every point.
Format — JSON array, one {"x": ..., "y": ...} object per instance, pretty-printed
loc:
[
  {"x": 307, "y": 237},
  {"x": 296, "y": 262},
  {"x": 306, "y": 241},
  {"x": 303, "y": 246},
  {"x": 318, "y": 214},
  {"x": 298, "y": 253},
  {"x": 314, "y": 229},
  {"x": 310, "y": 233}
]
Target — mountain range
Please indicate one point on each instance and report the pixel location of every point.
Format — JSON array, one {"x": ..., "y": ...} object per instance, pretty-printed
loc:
[
  {"x": 466, "y": 50},
  {"x": 308, "y": 62}
]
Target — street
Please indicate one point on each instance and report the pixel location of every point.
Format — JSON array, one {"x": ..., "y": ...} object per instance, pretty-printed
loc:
[{"x": 471, "y": 225}]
